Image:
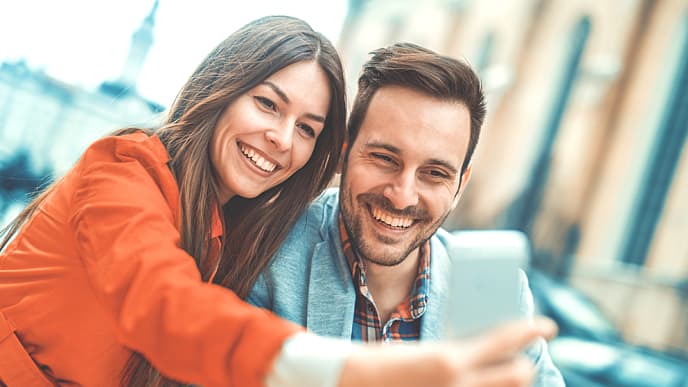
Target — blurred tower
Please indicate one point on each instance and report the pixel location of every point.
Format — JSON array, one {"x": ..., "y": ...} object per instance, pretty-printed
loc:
[
  {"x": 141, "y": 42},
  {"x": 52, "y": 121}
]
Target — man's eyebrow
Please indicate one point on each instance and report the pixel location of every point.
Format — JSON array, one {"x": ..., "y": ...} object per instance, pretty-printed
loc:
[
  {"x": 283, "y": 96},
  {"x": 445, "y": 164},
  {"x": 395, "y": 150},
  {"x": 388, "y": 147}
]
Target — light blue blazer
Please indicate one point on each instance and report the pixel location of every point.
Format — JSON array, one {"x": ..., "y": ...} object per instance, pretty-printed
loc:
[{"x": 309, "y": 282}]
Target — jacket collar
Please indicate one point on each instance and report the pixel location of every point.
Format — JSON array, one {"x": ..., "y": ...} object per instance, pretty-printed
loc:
[{"x": 331, "y": 294}]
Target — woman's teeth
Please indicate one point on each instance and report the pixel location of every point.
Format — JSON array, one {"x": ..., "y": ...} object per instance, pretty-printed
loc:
[{"x": 257, "y": 159}]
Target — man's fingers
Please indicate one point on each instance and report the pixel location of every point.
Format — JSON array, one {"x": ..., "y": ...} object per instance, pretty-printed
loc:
[{"x": 511, "y": 338}]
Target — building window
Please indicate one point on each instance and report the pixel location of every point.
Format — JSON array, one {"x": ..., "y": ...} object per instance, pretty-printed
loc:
[
  {"x": 665, "y": 154},
  {"x": 524, "y": 210}
]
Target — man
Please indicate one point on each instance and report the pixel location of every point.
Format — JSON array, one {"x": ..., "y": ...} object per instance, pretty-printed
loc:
[{"x": 369, "y": 261}]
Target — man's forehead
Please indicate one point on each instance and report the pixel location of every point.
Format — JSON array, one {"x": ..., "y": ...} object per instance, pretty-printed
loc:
[{"x": 417, "y": 125}]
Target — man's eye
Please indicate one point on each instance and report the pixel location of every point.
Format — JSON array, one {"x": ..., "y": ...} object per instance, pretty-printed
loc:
[
  {"x": 266, "y": 103},
  {"x": 383, "y": 157},
  {"x": 438, "y": 174}
]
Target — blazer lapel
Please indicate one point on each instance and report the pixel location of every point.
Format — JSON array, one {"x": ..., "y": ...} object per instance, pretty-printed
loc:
[
  {"x": 331, "y": 296},
  {"x": 432, "y": 325}
]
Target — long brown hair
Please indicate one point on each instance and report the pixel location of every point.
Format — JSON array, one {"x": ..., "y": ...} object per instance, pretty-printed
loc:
[{"x": 254, "y": 228}]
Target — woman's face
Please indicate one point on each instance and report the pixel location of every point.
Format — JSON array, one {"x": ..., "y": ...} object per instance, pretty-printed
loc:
[{"x": 270, "y": 132}]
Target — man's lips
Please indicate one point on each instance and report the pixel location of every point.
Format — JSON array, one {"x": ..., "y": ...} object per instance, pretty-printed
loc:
[{"x": 394, "y": 221}]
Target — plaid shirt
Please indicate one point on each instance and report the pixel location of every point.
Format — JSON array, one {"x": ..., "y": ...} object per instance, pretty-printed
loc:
[{"x": 404, "y": 322}]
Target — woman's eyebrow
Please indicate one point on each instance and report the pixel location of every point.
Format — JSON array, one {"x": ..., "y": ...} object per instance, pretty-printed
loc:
[
  {"x": 283, "y": 96},
  {"x": 280, "y": 93}
]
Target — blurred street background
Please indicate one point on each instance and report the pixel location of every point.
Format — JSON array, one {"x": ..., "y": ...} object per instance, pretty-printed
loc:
[{"x": 583, "y": 149}]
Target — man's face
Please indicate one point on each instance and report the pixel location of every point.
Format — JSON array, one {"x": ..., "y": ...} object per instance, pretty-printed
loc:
[{"x": 402, "y": 177}]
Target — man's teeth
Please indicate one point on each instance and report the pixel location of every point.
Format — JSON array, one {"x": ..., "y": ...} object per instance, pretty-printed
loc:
[
  {"x": 257, "y": 159},
  {"x": 390, "y": 220}
]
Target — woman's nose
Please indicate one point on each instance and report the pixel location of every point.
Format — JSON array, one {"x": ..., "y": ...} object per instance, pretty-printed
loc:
[{"x": 281, "y": 136}]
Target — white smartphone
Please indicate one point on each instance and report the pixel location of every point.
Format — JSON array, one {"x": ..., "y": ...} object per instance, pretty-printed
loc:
[{"x": 486, "y": 280}]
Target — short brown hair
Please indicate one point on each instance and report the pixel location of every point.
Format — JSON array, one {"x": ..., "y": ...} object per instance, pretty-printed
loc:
[{"x": 412, "y": 66}]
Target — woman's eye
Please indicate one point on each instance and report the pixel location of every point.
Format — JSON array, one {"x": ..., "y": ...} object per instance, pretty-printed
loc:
[
  {"x": 309, "y": 131},
  {"x": 266, "y": 103}
]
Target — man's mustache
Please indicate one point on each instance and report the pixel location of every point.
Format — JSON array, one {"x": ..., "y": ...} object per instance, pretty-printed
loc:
[{"x": 416, "y": 212}]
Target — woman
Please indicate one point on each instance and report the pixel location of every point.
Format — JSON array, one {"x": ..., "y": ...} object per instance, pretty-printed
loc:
[
  {"x": 116, "y": 256},
  {"x": 143, "y": 250}
]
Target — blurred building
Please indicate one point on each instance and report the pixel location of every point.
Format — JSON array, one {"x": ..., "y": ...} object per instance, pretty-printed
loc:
[
  {"x": 53, "y": 122},
  {"x": 584, "y": 144}
]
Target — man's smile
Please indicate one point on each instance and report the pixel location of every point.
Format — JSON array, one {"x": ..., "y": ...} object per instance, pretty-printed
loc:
[{"x": 388, "y": 219}]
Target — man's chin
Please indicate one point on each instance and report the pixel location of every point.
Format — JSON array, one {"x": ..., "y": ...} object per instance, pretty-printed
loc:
[{"x": 387, "y": 257}]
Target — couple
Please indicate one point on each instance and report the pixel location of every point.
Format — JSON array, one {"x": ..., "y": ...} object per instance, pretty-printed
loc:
[{"x": 131, "y": 268}]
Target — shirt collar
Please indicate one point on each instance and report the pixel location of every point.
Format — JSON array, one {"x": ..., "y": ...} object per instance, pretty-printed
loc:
[{"x": 419, "y": 293}]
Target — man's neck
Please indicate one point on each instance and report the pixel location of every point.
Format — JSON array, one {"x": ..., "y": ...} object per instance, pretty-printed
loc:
[{"x": 390, "y": 285}]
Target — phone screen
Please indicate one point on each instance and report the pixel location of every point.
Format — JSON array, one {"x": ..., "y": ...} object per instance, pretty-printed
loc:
[{"x": 486, "y": 280}]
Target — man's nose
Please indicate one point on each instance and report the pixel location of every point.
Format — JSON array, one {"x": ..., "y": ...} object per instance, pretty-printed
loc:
[
  {"x": 402, "y": 190},
  {"x": 281, "y": 135}
]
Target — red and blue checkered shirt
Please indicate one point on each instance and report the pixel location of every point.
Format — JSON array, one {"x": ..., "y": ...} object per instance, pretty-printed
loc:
[{"x": 404, "y": 322}]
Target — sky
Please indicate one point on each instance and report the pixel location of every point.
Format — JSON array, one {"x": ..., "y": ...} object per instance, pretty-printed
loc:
[{"x": 85, "y": 42}]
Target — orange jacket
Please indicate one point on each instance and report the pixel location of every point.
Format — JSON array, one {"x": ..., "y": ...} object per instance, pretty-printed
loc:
[{"x": 98, "y": 271}]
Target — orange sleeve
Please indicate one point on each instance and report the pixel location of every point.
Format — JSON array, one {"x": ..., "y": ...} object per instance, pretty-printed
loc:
[{"x": 190, "y": 330}]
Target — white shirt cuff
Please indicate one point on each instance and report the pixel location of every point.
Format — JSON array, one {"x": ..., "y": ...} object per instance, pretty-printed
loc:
[{"x": 307, "y": 360}]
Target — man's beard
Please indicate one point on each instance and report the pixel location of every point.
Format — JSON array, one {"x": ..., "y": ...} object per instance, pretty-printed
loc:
[{"x": 373, "y": 249}]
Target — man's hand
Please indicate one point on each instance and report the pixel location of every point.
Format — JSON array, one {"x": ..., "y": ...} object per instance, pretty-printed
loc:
[{"x": 492, "y": 359}]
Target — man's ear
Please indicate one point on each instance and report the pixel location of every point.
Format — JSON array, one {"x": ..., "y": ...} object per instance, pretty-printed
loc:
[
  {"x": 342, "y": 157},
  {"x": 465, "y": 177}
]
